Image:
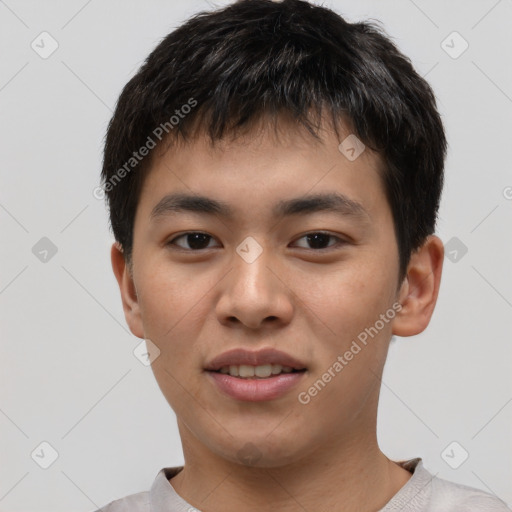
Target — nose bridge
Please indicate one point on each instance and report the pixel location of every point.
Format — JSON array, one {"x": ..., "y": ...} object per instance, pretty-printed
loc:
[
  {"x": 252, "y": 291},
  {"x": 252, "y": 279}
]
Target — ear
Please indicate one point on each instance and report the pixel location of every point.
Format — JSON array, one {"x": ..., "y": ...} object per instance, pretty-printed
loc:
[
  {"x": 128, "y": 292},
  {"x": 420, "y": 287}
]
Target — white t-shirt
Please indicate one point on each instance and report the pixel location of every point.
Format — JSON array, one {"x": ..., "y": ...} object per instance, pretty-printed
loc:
[{"x": 423, "y": 492}]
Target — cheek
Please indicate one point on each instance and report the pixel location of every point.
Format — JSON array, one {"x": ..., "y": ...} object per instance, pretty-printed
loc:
[
  {"x": 172, "y": 311},
  {"x": 171, "y": 306},
  {"x": 349, "y": 304},
  {"x": 349, "y": 299}
]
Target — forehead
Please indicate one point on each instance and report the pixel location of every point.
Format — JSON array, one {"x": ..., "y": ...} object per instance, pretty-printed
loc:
[{"x": 263, "y": 165}]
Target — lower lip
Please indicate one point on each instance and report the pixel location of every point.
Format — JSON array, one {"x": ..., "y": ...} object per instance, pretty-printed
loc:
[{"x": 256, "y": 390}]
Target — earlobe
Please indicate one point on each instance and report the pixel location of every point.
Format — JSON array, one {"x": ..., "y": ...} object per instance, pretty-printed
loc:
[
  {"x": 126, "y": 284},
  {"x": 420, "y": 288}
]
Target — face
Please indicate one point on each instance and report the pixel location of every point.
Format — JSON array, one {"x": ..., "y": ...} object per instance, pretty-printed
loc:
[{"x": 270, "y": 260}]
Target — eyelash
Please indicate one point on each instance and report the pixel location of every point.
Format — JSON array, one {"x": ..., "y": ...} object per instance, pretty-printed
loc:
[{"x": 340, "y": 241}]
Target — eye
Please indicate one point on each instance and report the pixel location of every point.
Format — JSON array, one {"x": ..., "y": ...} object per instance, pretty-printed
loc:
[
  {"x": 195, "y": 240},
  {"x": 319, "y": 240}
]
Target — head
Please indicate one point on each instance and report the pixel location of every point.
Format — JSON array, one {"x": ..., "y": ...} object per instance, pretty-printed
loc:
[{"x": 248, "y": 112}]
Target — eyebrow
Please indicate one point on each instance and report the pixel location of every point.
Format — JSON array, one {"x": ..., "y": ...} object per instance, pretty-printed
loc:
[{"x": 330, "y": 202}]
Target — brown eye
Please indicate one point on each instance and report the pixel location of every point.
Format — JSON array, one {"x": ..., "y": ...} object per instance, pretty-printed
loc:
[
  {"x": 319, "y": 241},
  {"x": 194, "y": 241}
]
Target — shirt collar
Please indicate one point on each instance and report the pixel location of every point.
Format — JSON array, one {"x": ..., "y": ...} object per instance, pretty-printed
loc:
[{"x": 163, "y": 497}]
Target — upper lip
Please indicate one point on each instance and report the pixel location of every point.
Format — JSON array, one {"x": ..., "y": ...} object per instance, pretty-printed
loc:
[{"x": 240, "y": 356}]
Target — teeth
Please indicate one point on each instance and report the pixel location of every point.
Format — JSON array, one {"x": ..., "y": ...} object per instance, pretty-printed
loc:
[
  {"x": 245, "y": 370},
  {"x": 263, "y": 371},
  {"x": 276, "y": 369}
]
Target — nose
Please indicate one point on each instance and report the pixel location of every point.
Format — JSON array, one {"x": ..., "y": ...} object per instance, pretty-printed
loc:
[{"x": 255, "y": 294}]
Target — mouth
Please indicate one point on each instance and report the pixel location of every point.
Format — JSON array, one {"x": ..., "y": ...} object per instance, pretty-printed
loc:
[
  {"x": 261, "y": 364},
  {"x": 255, "y": 376}
]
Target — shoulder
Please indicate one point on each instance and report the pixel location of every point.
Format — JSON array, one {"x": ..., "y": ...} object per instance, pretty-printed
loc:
[
  {"x": 429, "y": 493},
  {"x": 161, "y": 491},
  {"x": 449, "y": 496},
  {"x": 133, "y": 503}
]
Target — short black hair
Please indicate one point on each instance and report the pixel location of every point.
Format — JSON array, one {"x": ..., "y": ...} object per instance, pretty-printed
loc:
[{"x": 223, "y": 70}]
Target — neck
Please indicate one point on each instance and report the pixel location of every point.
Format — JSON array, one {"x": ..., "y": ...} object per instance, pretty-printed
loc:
[{"x": 355, "y": 474}]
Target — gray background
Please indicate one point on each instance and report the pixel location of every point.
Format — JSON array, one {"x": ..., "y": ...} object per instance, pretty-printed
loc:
[{"x": 68, "y": 374}]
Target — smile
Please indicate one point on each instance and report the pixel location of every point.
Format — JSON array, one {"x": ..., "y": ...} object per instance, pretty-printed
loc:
[
  {"x": 254, "y": 388},
  {"x": 245, "y": 371}
]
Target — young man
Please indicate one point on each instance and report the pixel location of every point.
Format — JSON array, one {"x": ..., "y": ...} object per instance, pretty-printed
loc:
[{"x": 273, "y": 175}]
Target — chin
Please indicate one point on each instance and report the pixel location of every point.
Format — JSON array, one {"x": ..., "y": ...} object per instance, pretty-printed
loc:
[{"x": 261, "y": 451}]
